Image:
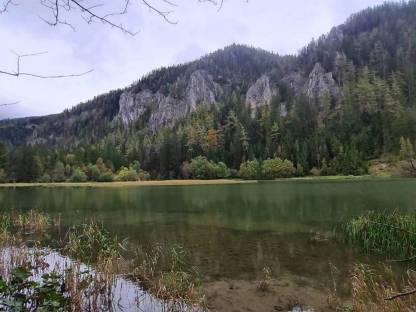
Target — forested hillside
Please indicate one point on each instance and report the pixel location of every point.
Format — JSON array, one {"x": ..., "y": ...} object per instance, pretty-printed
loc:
[{"x": 345, "y": 99}]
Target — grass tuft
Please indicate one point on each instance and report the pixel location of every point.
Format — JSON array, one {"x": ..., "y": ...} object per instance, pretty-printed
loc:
[{"x": 393, "y": 235}]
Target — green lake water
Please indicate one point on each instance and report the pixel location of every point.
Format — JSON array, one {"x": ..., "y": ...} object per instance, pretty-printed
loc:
[{"x": 230, "y": 231}]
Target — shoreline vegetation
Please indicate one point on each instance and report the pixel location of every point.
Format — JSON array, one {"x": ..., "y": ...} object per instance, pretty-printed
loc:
[
  {"x": 87, "y": 268},
  {"x": 95, "y": 257},
  {"x": 392, "y": 236},
  {"x": 192, "y": 182}
]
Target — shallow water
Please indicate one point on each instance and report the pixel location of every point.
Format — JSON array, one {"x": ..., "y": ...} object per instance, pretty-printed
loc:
[{"x": 231, "y": 231}]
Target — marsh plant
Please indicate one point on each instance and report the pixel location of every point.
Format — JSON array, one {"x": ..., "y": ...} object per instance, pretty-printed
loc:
[
  {"x": 19, "y": 292},
  {"x": 380, "y": 288},
  {"x": 35, "y": 279},
  {"x": 31, "y": 221},
  {"x": 84, "y": 271},
  {"x": 91, "y": 243},
  {"x": 391, "y": 234},
  {"x": 265, "y": 283},
  {"x": 166, "y": 274}
]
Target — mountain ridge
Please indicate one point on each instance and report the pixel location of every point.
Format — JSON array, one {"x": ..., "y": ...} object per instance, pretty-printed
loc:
[{"x": 345, "y": 98}]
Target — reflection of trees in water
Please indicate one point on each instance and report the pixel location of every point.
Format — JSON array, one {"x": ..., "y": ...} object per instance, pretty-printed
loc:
[
  {"x": 287, "y": 206},
  {"x": 231, "y": 230}
]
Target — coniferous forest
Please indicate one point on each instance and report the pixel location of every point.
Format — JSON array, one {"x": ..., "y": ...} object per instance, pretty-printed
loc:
[{"x": 345, "y": 100}]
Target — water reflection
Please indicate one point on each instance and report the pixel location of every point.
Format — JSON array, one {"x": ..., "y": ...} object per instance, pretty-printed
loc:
[{"x": 231, "y": 231}]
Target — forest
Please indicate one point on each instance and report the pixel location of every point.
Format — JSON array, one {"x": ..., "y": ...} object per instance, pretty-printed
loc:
[{"x": 372, "y": 58}]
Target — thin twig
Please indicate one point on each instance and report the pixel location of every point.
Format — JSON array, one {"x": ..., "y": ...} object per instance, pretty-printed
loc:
[
  {"x": 400, "y": 295},
  {"x": 8, "y": 104},
  {"x": 18, "y": 71},
  {"x": 6, "y": 5}
]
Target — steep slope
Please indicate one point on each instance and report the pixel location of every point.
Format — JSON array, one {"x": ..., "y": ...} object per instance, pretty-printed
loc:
[
  {"x": 159, "y": 99},
  {"x": 344, "y": 99}
]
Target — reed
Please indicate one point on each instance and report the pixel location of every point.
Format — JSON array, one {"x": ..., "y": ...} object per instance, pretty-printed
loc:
[
  {"x": 376, "y": 290},
  {"x": 91, "y": 243},
  {"x": 31, "y": 222},
  {"x": 94, "y": 261},
  {"x": 265, "y": 283},
  {"x": 178, "y": 285},
  {"x": 393, "y": 234}
]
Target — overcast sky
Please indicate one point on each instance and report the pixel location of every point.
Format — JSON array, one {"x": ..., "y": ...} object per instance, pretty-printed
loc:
[{"x": 119, "y": 59}]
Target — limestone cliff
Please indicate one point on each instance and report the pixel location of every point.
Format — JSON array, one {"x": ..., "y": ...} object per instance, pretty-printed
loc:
[
  {"x": 260, "y": 93},
  {"x": 160, "y": 109}
]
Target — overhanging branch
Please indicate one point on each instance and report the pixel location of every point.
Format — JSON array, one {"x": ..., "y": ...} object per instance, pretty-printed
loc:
[{"x": 18, "y": 72}]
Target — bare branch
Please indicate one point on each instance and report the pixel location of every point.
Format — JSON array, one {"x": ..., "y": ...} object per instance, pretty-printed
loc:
[
  {"x": 89, "y": 13},
  {"x": 163, "y": 14},
  {"x": 8, "y": 104},
  {"x": 104, "y": 18},
  {"x": 6, "y": 5},
  {"x": 18, "y": 72},
  {"x": 400, "y": 295}
]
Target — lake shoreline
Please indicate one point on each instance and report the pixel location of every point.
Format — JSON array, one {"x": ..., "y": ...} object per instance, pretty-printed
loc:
[
  {"x": 189, "y": 182},
  {"x": 128, "y": 184}
]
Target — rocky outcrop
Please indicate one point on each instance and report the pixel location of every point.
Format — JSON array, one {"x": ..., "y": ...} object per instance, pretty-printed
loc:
[
  {"x": 167, "y": 111},
  {"x": 320, "y": 83},
  {"x": 201, "y": 90},
  {"x": 160, "y": 110},
  {"x": 132, "y": 105},
  {"x": 295, "y": 82},
  {"x": 260, "y": 93}
]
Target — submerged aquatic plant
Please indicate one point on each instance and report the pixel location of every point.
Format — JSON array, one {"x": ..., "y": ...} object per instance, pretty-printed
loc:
[{"x": 389, "y": 234}]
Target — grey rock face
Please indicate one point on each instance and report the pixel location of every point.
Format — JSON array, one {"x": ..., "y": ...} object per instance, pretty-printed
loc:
[
  {"x": 168, "y": 110},
  {"x": 260, "y": 93},
  {"x": 320, "y": 83},
  {"x": 132, "y": 106},
  {"x": 201, "y": 90},
  {"x": 164, "y": 110},
  {"x": 294, "y": 81},
  {"x": 283, "y": 109}
]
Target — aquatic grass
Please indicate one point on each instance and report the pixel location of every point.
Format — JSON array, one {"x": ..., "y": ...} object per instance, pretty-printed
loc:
[
  {"x": 390, "y": 234},
  {"x": 178, "y": 285},
  {"x": 58, "y": 285},
  {"x": 264, "y": 284},
  {"x": 164, "y": 272},
  {"x": 4, "y": 229},
  {"x": 92, "y": 243},
  {"x": 380, "y": 288},
  {"x": 377, "y": 289},
  {"x": 85, "y": 289},
  {"x": 31, "y": 222}
]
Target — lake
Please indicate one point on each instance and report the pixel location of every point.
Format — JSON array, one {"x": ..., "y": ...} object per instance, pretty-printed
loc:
[{"x": 231, "y": 231}]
